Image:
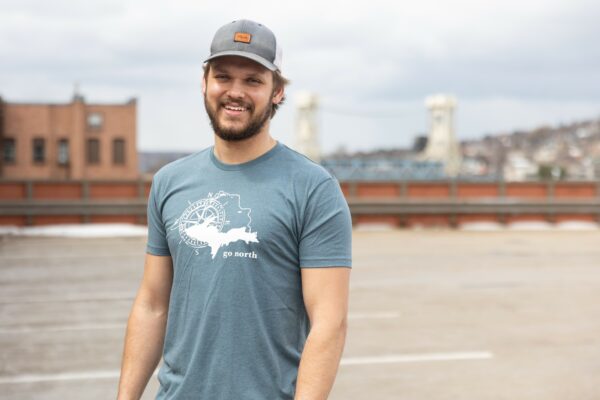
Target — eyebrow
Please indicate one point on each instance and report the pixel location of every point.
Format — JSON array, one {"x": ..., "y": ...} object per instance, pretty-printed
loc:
[{"x": 258, "y": 75}]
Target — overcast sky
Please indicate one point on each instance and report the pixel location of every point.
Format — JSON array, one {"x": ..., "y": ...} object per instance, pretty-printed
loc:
[{"x": 512, "y": 64}]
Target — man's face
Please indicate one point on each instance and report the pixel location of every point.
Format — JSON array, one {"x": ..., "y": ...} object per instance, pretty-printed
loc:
[{"x": 238, "y": 95}]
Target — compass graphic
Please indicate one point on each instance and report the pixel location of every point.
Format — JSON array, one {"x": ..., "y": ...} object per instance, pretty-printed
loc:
[
  {"x": 206, "y": 212},
  {"x": 215, "y": 221}
]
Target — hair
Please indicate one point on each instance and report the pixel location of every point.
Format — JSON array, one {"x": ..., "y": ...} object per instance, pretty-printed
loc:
[{"x": 279, "y": 82}]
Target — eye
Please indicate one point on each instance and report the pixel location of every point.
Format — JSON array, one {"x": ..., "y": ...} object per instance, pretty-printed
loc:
[
  {"x": 221, "y": 77},
  {"x": 254, "y": 81}
]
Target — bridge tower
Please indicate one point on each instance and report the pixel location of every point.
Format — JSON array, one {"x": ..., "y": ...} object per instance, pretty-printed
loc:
[
  {"x": 442, "y": 145},
  {"x": 307, "y": 140}
]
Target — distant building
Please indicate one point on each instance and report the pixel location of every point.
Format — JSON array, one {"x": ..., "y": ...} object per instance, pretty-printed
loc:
[
  {"x": 75, "y": 140},
  {"x": 519, "y": 168}
]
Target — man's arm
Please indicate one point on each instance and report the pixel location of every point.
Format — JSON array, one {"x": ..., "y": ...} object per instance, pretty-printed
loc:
[
  {"x": 325, "y": 292},
  {"x": 146, "y": 327}
]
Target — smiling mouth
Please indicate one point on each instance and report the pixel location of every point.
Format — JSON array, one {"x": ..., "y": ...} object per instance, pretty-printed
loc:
[{"x": 237, "y": 108}]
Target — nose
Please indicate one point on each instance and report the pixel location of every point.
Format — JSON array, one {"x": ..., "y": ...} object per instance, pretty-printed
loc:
[{"x": 235, "y": 91}]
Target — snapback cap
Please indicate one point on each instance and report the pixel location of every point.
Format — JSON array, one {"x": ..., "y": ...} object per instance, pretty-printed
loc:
[{"x": 249, "y": 39}]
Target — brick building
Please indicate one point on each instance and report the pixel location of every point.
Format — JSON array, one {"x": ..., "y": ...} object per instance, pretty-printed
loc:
[{"x": 76, "y": 140}]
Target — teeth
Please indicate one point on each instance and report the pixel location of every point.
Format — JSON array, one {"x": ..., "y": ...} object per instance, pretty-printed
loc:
[{"x": 233, "y": 108}]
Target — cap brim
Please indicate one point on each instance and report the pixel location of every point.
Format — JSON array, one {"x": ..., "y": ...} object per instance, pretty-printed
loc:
[{"x": 262, "y": 61}]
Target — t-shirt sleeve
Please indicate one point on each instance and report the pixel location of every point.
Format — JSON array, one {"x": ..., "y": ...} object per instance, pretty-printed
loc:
[
  {"x": 157, "y": 238},
  {"x": 326, "y": 236}
]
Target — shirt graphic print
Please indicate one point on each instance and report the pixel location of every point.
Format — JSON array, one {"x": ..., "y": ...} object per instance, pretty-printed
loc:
[{"x": 215, "y": 221}]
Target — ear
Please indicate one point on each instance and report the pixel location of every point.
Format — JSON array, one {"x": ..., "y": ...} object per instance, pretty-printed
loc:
[
  {"x": 203, "y": 85},
  {"x": 278, "y": 95}
]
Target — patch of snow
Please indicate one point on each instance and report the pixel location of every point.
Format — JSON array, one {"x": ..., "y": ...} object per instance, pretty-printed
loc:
[
  {"x": 374, "y": 227},
  {"x": 483, "y": 226},
  {"x": 78, "y": 230},
  {"x": 531, "y": 226},
  {"x": 578, "y": 226}
]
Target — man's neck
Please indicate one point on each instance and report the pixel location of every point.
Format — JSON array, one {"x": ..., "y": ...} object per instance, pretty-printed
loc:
[{"x": 231, "y": 152}]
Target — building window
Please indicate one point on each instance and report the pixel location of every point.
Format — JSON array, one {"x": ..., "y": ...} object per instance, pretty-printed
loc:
[
  {"x": 39, "y": 150},
  {"x": 8, "y": 150},
  {"x": 63, "y": 152},
  {"x": 118, "y": 151},
  {"x": 95, "y": 121},
  {"x": 93, "y": 151}
]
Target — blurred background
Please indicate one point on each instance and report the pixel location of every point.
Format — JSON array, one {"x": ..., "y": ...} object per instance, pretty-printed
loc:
[{"x": 465, "y": 136}]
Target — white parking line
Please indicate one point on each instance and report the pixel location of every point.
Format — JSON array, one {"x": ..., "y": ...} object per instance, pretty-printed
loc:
[
  {"x": 73, "y": 297},
  {"x": 399, "y": 358},
  {"x": 67, "y": 376},
  {"x": 46, "y": 257},
  {"x": 112, "y": 326},
  {"x": 389, "y": 359},
  {"x": 374, "y": 315},
  {"x": 62, "y": 328}
]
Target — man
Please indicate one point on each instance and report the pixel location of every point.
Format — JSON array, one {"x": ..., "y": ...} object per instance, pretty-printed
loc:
[{"x": 245, "y": 286}]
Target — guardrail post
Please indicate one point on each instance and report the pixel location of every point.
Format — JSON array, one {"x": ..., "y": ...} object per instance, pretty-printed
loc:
[
  {"x": 352, "y": 189},
  {"x": 85, "y": 195},
  {"x": 550, "y": 191},
  {"x": 502, "y": 194},
  {"x": 403, "y": 189},
  {"x": 453, "y": 190},
  {"x": 29, "y": 198},
  {"x": 403, "y": 194},
  {"x": 598, "y": 197},
  {"x": 141, "y": 184}
]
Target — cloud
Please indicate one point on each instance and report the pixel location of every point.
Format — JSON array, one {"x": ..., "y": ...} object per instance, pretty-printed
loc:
[{"x": 371, "y": 60}]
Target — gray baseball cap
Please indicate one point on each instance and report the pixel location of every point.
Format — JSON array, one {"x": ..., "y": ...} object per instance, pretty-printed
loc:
[{"x": 249, "y": 39}]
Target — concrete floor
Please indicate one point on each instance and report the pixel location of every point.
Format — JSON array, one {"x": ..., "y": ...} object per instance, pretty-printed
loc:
[{"x": 434, "y": 315}]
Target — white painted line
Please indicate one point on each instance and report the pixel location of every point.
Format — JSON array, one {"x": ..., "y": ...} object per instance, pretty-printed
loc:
[
  {"x": 61, "y": 328},
  {"x": 139, "y": 254},
  {"x": 73, "y": 297},
  {"x": 374, "y": 315},
  {"x": 399, "y": 358},
  {"x": 389, "y": 359},
  {"x": 66, "y": 376}
]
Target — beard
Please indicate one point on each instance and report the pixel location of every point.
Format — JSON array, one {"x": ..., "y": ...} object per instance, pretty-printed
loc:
[{"x": 250, "y": 129}]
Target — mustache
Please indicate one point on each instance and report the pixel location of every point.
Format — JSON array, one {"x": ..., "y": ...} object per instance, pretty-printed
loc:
[{"x": 235, "y": 103}]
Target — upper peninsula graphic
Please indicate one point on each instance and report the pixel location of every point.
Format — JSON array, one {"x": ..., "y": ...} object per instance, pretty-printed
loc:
[{"x": 235, "y": 227}]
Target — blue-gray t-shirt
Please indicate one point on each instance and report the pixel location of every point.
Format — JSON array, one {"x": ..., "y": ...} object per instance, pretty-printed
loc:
[{"x": 238, "y": 236}]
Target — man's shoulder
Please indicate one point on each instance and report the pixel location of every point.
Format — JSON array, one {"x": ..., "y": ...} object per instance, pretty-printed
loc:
[{"x": 303, "y": 168}]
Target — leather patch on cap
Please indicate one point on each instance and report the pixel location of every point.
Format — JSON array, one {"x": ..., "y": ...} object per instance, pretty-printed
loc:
[{"x": 242, "y": 37}]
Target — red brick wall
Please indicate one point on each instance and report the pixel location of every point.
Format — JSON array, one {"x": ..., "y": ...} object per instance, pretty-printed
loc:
[
  {"x": 113, "y": 190},
  {"x": 378, "y": 190},
  {"x": 431, "y": 190},
  {"x": 14, "y": 220},
  {"x": 575, "y": 190},
  {"x": 526, "y": 190},
  {"x": 55, "y": 191},
  {"x": 124, "y": 219},
  {"x": 56, "y": 219},
  {"x": 467, "y": 190},
  {"x": 12, "y": 191}
]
